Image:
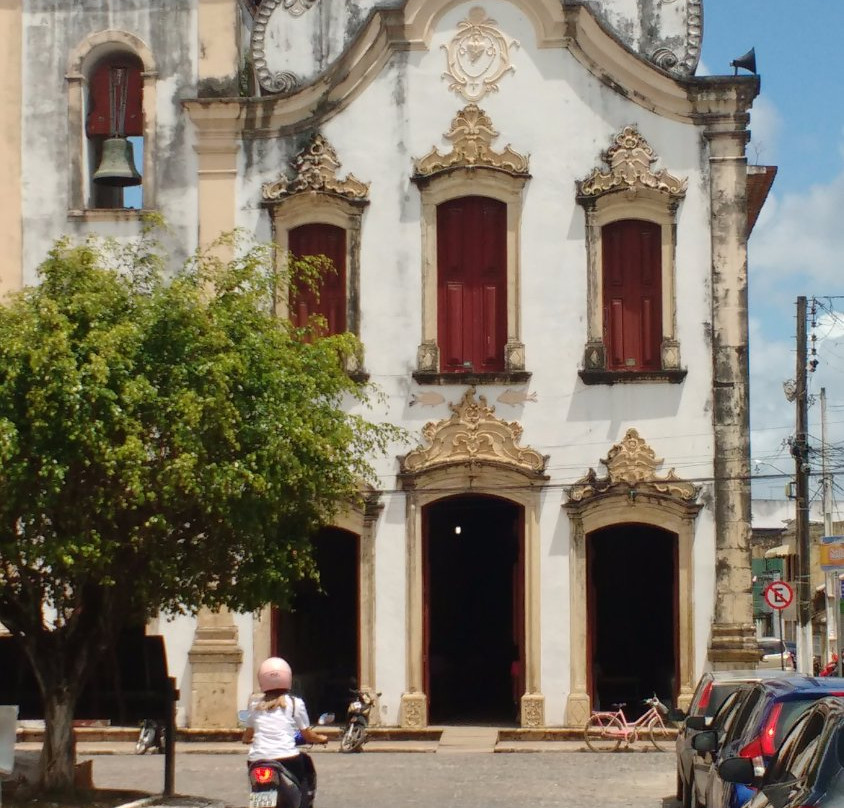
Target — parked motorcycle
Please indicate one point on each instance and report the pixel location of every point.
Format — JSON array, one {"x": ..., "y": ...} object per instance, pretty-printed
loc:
[
  {"x": 355, "y": 734},
  {"x": 151, "y": 736}
]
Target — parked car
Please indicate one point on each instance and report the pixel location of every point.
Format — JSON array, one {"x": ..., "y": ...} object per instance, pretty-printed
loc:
[
  {"x": 807, "y": 769},
  {"x": 775, "y": 654},
  {"x": 771, "y": 707},
  {"x": 711, "y": 691}
]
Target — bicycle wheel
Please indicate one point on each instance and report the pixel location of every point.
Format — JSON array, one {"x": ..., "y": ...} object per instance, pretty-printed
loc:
[
  {"x": 603, "y": 733},
  {"x": 661, "y": 737}
]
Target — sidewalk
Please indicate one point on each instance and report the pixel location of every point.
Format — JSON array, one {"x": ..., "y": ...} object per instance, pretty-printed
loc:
[{"x": 121, "y": 740}]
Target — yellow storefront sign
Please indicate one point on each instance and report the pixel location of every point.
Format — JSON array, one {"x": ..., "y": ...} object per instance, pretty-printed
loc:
[{"x": 832, "y": 556}]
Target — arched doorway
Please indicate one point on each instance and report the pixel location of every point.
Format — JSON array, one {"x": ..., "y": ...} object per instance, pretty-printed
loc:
[
  {"x": 473, "y": 609},
  {"x": 632, "y": 615},
  {"x": 319, "y": 634}
]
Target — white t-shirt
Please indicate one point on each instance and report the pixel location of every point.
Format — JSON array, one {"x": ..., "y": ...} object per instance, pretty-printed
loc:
[{"x": 275, "y": 730}]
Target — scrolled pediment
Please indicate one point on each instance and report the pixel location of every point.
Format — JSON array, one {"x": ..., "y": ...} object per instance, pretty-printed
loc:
[
  {"x": 471, "y": 136},
  {"x": 632, "y": 465},
  {"x": 315, "y": 169},
  {"x": 472, "y": 434},
  {"x": 630, "y": 159}
]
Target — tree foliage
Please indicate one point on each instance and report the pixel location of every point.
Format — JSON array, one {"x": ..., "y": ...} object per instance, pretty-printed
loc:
[{"x": 166, "y": 443}]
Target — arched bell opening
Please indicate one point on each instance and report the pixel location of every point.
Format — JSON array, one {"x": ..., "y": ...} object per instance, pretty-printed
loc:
[
  {"x": 632, "y": 613},
  {"x": 473, "y": 562},
  {"x": 320, "y": 633}
]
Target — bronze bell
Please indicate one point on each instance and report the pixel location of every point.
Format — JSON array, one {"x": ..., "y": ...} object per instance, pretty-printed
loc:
[{"x": 117, "y": 166}]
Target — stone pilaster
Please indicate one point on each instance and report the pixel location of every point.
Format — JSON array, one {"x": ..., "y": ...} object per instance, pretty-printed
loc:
[
  {"x": 533, "y": 710},
  {"x": 215, "y": 659},
  {"x": 732, "y": 642}
]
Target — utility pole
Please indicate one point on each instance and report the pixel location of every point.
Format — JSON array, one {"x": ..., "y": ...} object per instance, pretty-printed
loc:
[
  {"x": 833, "y": 581},
  {"x": 800, "y": 451}
]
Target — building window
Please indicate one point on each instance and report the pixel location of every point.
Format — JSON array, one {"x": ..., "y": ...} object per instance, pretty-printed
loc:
[
  {"x": 471, "y": 213},
  {"x": 314, "y": 211},
  {"x": 115, "y": 131},
  {"x": 632, "y": 280},
  {"x": 630, "y": 252},
  {"x": 327, "y": 299},
  {"x": 111, "y": 78},
  {"x": 471, "y": 284}
]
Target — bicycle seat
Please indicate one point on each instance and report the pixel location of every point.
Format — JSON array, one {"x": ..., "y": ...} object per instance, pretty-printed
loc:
[{"x": 620, "y": 705}]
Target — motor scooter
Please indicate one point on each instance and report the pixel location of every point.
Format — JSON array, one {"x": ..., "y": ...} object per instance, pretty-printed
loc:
[
  {"x": 151, "y": 736},
  {"x": 271, "y": 785},
  {"x": 355, "y": 735}
]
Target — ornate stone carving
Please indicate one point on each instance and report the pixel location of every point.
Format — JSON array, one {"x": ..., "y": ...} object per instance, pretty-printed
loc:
[
  {"x": 428, "y": 356},
  {"x": 533, "y": 710},
  {"x": 414, "y": 709},
  {"x": 630, "y": 159},
  {"x": 478, "y": 56},
  {"x": 694, "y": 36},
  {"x": 315, "y": 169},
  {"x": 632, "y": 464},
  {"x": 283, "y": 81},
  {"x": 472, "y": 435},
  {"x": 471, "y": 135}
]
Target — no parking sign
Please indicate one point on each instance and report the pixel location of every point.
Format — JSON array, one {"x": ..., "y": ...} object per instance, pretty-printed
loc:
[{"x": 778, "y": 594}]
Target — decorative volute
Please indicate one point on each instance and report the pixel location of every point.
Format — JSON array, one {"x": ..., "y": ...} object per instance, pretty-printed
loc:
[
  {"x": 471, "y": 135},
  {"x": 630, "y": 159},
  {"x": 315, "y": 169},
  {"x": 473, "y": 435},
  {"x": 631, "y": 467}
]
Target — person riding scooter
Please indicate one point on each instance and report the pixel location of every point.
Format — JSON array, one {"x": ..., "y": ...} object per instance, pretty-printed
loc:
[{"x": 273, "y": 722}]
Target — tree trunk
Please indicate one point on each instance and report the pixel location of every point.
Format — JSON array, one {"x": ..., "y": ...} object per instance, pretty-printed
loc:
[{"x": 58, "y": 754}]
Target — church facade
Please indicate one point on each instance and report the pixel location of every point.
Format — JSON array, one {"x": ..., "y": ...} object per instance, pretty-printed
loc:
[{"x": 538, "y": 217}]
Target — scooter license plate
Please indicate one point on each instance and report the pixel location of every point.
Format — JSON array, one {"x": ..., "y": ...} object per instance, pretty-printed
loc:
[{"x": 263, "y": 799}]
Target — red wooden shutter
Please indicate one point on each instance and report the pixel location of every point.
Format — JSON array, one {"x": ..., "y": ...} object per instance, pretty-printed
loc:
[
  {"x": 632, "y": 276},
  {"x": 99, "y": 99},
  {"x": 330, "y": 299},
  {"x": 472, "y": 284}
]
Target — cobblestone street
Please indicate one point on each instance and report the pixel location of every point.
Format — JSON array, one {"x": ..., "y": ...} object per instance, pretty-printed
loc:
[{"x": 445, "y": 780}]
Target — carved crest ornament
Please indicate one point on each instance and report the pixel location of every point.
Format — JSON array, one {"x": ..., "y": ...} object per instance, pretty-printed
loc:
[
  {"x": 478, "y": 56},
  {"x": 473, "y": 435},
  {"x": 630, "y": 159},
  {"x": 315, "y": 169},
  {"x": 632, "y": 464},
  {"x": 471, "y": 136}
]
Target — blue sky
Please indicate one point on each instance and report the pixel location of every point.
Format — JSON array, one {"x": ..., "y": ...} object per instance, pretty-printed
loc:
[{"x": 797, "y": 124}]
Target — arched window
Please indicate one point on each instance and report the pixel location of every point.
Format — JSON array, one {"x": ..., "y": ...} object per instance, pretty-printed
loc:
[
  {"x": 328, "y": 299},
  {"x": 471, "y": 284},
  {"x": 114, "y": 129},
  {"x": 111, "y": 85}
]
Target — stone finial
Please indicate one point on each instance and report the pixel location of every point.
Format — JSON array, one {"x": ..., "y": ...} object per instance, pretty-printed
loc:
[
  {"x": 315, "y": 169},
  {"x": 473, "y": 434},
  {"x": 632, "y": 464},
  {"x": 471, "y": 134},
  {"x": 630, "y": 158}
]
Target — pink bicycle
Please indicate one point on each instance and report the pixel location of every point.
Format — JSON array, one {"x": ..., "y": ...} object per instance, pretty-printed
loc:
[{"x": 605, "y": 730}]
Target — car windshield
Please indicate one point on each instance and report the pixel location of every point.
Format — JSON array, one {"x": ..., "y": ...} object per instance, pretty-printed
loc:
[{"x": 771, "y": 646}]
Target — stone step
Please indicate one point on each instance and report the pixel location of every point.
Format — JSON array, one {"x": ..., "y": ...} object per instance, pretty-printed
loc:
[{"x": 468, "y": 739}]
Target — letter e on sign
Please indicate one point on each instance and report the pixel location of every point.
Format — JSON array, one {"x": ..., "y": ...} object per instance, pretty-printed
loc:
[{"x": 778, "y": 594}]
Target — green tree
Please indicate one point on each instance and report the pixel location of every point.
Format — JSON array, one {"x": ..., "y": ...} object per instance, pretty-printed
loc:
[{"x": 165, "y": 444}]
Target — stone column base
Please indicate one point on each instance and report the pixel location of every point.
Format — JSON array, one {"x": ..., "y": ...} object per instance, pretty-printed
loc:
[
  {"x": 733, "y": 646},
  {"x": 215, "y": 661},
  {"x": 533, "y": 710},
  {"x": 578, "y": 710},
  {"x": 414, "y": 710}
]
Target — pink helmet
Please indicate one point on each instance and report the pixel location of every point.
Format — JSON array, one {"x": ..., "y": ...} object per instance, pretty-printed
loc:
[{"x": 275, "y": 674}]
